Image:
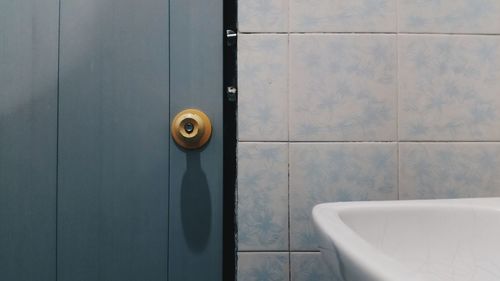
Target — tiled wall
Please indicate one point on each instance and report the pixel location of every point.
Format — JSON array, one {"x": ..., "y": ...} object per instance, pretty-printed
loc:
[{"x": 345, "y": 100}]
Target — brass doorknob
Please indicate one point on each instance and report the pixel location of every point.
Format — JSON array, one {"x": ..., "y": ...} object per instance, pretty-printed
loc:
[{"x": 191, "y": 129}]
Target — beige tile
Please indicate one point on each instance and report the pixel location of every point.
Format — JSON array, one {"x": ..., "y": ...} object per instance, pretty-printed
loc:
[
  {"x": 343, "y": 16},
  {"x": 263, "y": 87},
  {"x": 330, "y": 172},
  {"x": 263, "y": 267},
  {"x": 449, "y": 170},
  {"x": 311, "y": 267},
  {"x": 263, "y": 15},
  {"x": 262, "y": 196},
  {"x": 343, "y": 87},
  {"x": 450, "y": 16},
  {"x": 449, "y": 87}
]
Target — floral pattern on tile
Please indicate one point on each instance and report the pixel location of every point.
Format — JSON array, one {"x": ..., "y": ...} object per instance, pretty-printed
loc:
[
  {"x": 262, "y": 196},
  {"x": 310, "y": 267},
  {"x": 449, "y": 170},
  {"x": 343, "y": 16},
  {"x": 263, "y": 15},
  {"x": 329, "y": 172},
  {"x": 263, "y": 89},
  {"x": 449, "y": 87},
  {"x": 343, "y": 87},
  {"x": 449, "y": 16},
  {"x": 263, "y": 267}
]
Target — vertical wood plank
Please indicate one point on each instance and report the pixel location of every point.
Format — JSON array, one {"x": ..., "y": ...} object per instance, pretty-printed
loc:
[
  {"x": 28, "y": 139},
  {"x": 196, "y": 176},
  {"x": 114, "y": 140}
]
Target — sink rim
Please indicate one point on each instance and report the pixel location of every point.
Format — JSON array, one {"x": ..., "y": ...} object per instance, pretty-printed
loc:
[{"x": 354, "y": 248}]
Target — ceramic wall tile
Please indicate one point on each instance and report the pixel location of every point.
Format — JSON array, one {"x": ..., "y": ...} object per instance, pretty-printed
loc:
[
  {"x": 343, "y": 103},
  {"x": 263, "y": 15},
  {"x": 310, "y": 267},
  {"x": 263, "y": 86},
  {"x": 263, "y": 267},
  {"x": 343, "y": 87},
  {"x": 449, "y": 16},
  {"x": 449, "y": 170},
  {"x": 262, "y": 196},
  {"x": 449, "y": 87},
  {"x": 330, "y": 172},
  {"x": 343, "y": 16}
]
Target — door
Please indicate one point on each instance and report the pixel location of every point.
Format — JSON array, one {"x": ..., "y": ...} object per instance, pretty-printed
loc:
[{"x": 92, "y": 186}]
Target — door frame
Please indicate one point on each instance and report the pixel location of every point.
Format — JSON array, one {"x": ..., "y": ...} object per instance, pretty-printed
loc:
[{"x": 230, "y": 106}]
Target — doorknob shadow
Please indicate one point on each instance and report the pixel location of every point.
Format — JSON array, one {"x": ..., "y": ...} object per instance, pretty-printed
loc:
[{"x": 196, "y": 206}]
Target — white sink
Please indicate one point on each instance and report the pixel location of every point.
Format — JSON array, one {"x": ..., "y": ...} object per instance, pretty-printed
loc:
[{"x": 426, "y": 240}]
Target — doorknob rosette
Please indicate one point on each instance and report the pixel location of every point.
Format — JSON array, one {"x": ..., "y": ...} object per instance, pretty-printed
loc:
[{"x": 191, "y": 129}]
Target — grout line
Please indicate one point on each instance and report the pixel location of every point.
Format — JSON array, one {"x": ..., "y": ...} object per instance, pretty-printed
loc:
[
  {"x": 366, "y": 33},
  {"x": 289, "y": 63},
  {"x": 288, "y": 16},
  {"x": 279, "y": 251},
  {"x": 312, "y": 141},
  {"x": 289, "y": 217},
  {"x": 289, "y": 266},
  {"x": 398, "y": 169},
  {"x": 398, "y": 90},
  {"x": 374, "y": 142}
]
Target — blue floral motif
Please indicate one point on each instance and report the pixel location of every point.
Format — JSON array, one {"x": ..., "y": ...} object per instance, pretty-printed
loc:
[
  {"x": 449, "y": 170},
  {"x": 263, "y": 87},
  {"x": 449, "y": 16},
  {"x": 336, "y": 172},
  {"x": 311, "y": 267},
  {"x": 449, "y": 87},
  {"x": 263, "y": 267},
  {"x": 262, "y": 15},
  {"x": 343, "y": 16},
  {"x": 262, "y": 196},
  {"x": 343, "y": 87}
]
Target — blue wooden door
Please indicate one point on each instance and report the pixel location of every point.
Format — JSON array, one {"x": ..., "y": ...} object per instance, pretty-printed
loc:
[{"x": 91, "y": 185}]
